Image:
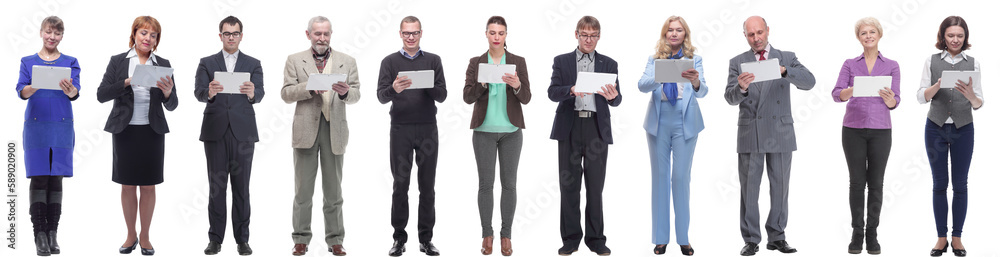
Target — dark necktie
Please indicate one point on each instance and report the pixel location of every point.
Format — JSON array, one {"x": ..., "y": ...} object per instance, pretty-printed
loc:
[{"x": 761, "y": 55}]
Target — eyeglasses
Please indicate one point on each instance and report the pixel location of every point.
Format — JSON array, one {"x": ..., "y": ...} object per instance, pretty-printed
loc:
[
  {"x": 232, "y": 34},
  {"x": 591, "y": 37},
  {"x": 410, "y": 33}
]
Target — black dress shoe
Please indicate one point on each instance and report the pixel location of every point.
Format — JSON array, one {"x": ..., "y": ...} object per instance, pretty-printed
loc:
[
  {"x": 938, "y": 252},
  {"x": 398, "y": 247},
  {"x": 42, "y": 244},
  {"x": 147, "y": 252},
  {"x": 659, "y": 249},
  {"x": 749, "y": 249},
  {"x": 128, "y": 250},
  {"x": 566, "y": 250},
  {"x": 53, "y": 245},
  {"x": 781, "y": 246},
  {"x": 213, "y": 248},
  {"x": 601, "y": 250},
  {"x": 687, "y": 250},
  {"x": 429, "y": 249},
  {"x": 243, "y": 249}
]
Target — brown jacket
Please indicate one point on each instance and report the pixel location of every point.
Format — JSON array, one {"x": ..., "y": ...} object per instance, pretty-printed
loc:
[{"x": 475, "y": 92}]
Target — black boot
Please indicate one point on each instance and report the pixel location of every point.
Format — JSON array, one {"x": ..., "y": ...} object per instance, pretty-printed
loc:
[
  {"x": 52, "y": 218},
  {"x": 857, "y": 238},
  {"x": 42, "y": 244},
  {"x": 871, "y": 242},
  {"x": 37, "y": 210}
]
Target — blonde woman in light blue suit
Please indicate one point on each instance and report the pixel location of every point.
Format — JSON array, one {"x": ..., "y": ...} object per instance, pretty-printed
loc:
[{"x": 672, "y": 124}]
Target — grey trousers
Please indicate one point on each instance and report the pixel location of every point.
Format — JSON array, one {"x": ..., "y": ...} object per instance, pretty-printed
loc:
[
  {"x": 332, "y": 166},
  {"x": 486, "y": 145},
  {"x": 751, "y": 168}
]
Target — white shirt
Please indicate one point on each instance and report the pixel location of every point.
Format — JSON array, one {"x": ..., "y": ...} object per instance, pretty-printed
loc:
[
  {"x": 925, "y": 79},
  {"x": 140, "y": 103},
  {"x": 230, "y": 59}
]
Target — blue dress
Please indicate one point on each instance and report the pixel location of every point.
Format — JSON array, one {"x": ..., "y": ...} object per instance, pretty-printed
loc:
[{"x": 48, "y": 121}]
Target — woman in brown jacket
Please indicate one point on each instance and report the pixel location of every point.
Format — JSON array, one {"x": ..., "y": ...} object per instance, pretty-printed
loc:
[{"x": 497, "y": 122}]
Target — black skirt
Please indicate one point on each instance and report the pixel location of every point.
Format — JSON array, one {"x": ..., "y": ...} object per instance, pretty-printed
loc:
[{"x": 138, "y": 156}]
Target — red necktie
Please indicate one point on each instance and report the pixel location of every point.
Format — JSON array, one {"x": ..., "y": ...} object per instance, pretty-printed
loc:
[{"x": 761, "y": 55}]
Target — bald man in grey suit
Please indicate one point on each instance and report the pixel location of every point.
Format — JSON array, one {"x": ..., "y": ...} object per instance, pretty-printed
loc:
[{"x": 765, "y": 134}]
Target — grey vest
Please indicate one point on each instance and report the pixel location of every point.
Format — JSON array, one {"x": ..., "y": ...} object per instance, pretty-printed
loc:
[{"x": 948, "y": 102}]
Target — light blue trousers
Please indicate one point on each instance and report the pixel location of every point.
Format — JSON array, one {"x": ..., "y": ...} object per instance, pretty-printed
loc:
[{"x": 669, "y": 142}]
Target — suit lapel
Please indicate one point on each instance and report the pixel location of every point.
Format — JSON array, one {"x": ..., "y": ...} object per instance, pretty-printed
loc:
[
  {"x": 599, "y": 62},
  {"x": 311, "y": 62},
  {"x": 241, "y": 60},
  {"x": 571, "y": 68},
  {"x": 220, "y": 61}
]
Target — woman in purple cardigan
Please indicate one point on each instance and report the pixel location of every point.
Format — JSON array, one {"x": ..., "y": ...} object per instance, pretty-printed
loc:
[{"x": 867, "y": 132}]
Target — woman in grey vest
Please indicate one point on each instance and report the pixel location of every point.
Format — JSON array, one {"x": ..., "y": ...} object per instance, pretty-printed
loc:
[{"x": 949, "y": 129}]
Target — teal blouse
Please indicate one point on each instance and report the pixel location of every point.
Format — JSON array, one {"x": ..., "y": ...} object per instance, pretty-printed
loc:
[{"x": 496, "y": 120}]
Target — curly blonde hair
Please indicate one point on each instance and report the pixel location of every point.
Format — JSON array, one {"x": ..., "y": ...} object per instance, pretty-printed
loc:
[{"x": 663, "y": 50}]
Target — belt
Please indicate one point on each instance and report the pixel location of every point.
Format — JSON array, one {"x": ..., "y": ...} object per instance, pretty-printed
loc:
[{"x": 585, "y": 114}]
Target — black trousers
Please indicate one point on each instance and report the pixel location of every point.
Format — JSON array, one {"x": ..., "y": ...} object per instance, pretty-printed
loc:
[
  {"x": 867, "y": 151},
  {"x": 404, "y": 141},
  {"x": 229, "y": 160},
  {"x": 582, "y": 158}
]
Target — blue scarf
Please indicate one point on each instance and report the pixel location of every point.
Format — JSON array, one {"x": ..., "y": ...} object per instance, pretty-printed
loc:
[{"x": 670, "y": 89}]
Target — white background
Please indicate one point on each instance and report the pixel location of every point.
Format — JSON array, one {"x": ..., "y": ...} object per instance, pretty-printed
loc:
[{"x": 821, "y": 33}]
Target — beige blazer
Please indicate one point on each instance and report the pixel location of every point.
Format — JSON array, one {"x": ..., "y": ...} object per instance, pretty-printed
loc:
[{"x": 308, "y": 106}]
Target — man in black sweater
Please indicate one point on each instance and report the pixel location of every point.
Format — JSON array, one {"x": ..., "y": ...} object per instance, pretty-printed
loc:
[{"x": 413, "y": 128}]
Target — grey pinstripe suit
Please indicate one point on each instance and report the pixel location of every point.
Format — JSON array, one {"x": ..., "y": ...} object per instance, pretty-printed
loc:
[{"x": 765, "y": 132}]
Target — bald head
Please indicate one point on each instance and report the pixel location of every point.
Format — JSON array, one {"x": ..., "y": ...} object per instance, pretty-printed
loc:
[
  {"x": 756, "y": 31},
  {"x": 754, "y": 21}
]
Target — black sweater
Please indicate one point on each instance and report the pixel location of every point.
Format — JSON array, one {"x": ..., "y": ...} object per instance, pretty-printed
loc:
[{"x": 412, "y": 106}]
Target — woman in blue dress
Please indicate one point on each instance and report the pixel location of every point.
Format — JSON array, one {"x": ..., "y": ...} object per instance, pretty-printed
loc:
[{"x": 48, "y": 134}]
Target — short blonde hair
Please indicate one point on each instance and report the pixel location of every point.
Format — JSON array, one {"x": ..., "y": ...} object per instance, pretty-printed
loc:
[{"x": 867, "y": 21}]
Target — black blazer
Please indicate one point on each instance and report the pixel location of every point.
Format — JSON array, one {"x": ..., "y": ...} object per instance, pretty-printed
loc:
[
  {"x": 564, "y": 78},
  {"x": 113, "y": 88},
  {"x": 228, "y": 110}
]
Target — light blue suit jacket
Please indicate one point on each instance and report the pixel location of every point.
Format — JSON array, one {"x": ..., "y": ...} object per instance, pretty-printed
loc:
[{"x": 688, "y": 103}]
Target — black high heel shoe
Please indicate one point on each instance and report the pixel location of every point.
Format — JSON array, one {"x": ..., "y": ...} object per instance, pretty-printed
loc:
[
  {"x": 128, "y": 250},
  {"x": 149, "y": 251},
  {"x": 958, "y": 252},
  {"x": 938, "y": 252},
  {"x": 687, "y": 251},
  {"x": 660, "y": 249}
]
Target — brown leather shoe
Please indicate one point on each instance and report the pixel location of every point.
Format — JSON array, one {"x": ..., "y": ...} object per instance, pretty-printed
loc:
[
  {"x": 338, "y": 250},
  {"x": 299, "y": 249},
  {"x": 487, "y": 245},
  {"x": 505, "y": 247}
]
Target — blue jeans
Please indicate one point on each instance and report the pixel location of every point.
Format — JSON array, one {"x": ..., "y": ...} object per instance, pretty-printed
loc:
[{"x": 940, "y": 140}]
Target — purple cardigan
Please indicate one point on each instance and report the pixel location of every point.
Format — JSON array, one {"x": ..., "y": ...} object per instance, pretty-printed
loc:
[{"x": 867, "y": 112}]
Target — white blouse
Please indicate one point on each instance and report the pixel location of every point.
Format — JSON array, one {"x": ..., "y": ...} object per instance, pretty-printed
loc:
[{"x": 140, "y": 103}]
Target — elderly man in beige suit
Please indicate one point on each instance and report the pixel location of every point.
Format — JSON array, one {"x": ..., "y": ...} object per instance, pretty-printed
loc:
[{"x": 319, "y": 131}]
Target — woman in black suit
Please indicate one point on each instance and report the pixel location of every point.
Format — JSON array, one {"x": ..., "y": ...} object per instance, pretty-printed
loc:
[{"x": 137, "y": 125}]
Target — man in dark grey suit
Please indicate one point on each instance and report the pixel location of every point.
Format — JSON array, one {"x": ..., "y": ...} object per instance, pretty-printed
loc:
[
  {"x": 229, "y": 131},
  {"x": 765, "y": 132}
]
